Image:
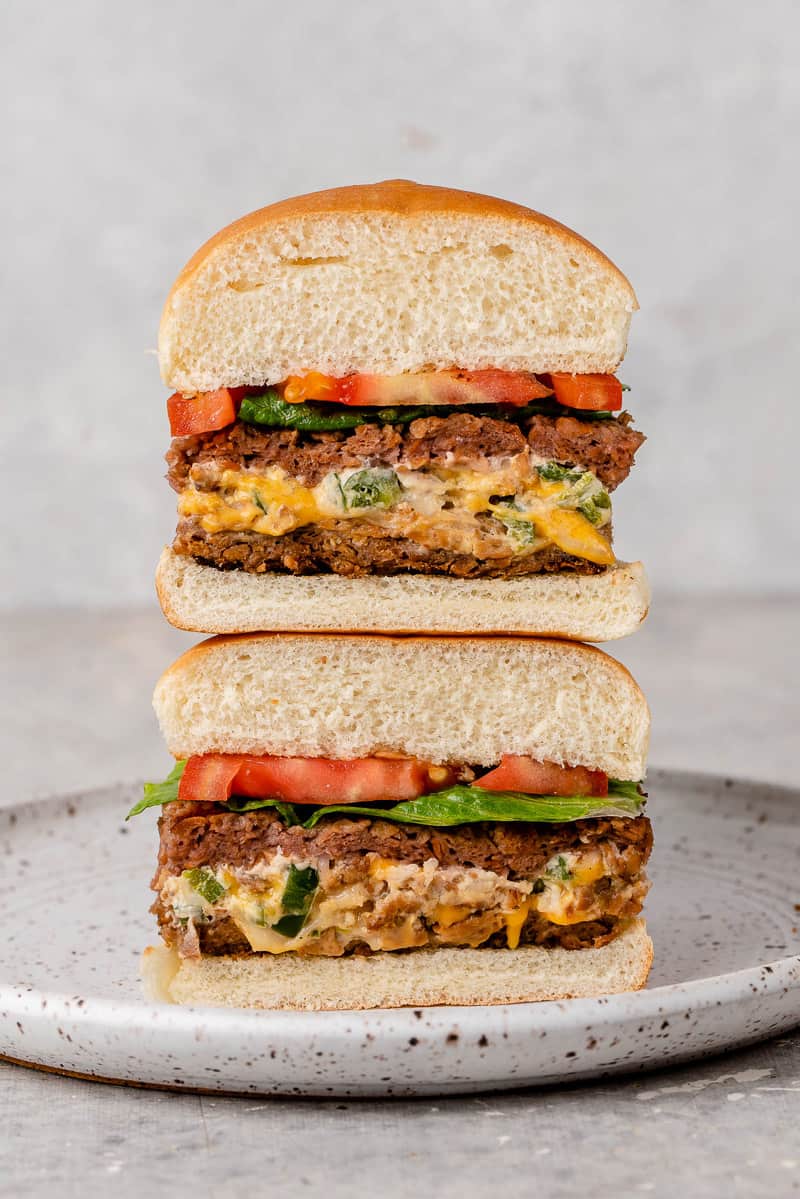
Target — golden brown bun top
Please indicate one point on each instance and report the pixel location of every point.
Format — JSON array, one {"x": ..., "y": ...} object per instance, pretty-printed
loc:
[
  {"x": 399, "y": 197},
  {"x": 210, "y": 645}
]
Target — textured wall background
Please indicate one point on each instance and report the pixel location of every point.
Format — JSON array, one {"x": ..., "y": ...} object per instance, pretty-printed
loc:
[{"x": 665, "y": 132}]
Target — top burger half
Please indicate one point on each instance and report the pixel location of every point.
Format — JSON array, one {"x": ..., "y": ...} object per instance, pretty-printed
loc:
[{"x": 395, "y": 409}]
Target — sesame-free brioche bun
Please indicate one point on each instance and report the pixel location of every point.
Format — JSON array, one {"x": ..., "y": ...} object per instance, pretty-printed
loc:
[
  {"x": 422, "y": 978},
  {"x": 387, "y": 278},
  {"x": 599, "y": 607},
  {"x": 442, "y": 699}
]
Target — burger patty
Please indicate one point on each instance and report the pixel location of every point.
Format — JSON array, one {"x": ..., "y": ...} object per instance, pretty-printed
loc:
[
  {"x": 486, "y": 869},
  {"x": 222, "y": 936},
  {"x": 605, "y": 447},
  {"x": 196, "y": 834},
  {"x": 358, "y": 548}
]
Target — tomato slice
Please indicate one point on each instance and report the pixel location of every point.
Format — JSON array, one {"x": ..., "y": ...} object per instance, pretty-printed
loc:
[
  {"x": 452, "y": 387},
  {"x": 595, "y": 393},
  {"x": 519, "y": 773},
  {"x": 204, "y": 412},
  {"x": 213, "y": 778},
  {"x": 208, "y": 777}
]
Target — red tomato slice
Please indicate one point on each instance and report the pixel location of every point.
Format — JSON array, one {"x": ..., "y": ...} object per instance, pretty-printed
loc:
[
  {"x": 213, "y": 778},
  {"x": 208, "y": 777},
  {"x": 204, "y": 412},
  {"x": 518, "y": 773},
  {"x": 425, "y": 387},
  {"x": 595, "y": 393}
]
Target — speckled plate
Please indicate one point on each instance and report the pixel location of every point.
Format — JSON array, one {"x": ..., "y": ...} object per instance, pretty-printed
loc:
[{"x": 722, "y": 915}]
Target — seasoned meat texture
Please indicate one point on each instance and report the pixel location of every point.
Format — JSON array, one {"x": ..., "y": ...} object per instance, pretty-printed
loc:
[
  {"x": 223, "y": 936},
  {"x": 358, "y": 548},
  {"x": 460, "y": 440},
  {"x": 605, "y": 447},
  {"x": 305, "y": 456},
  {"x": 197, "y": 834},
  {"x": 194, "y": 834}
]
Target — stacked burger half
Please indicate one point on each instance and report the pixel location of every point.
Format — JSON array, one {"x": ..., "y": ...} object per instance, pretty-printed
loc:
[{"x": 400, "y": 776}]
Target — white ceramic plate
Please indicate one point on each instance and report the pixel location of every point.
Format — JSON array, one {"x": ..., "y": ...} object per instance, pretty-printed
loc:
[{"x": 721, "y": 914}]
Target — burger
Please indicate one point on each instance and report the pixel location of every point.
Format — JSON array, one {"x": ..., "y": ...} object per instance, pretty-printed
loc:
[
  {"x": 359, "y": 821},
  {"x": 394, "y": 408}
]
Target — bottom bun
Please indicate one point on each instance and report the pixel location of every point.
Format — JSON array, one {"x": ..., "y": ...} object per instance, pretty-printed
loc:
[
  {"x": 418, "y": 978},
  {"x": 597, "y": 607}
]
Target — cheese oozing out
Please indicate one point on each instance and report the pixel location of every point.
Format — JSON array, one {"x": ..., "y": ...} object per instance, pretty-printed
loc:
[
  {"x": 394, "y": 905},
  {"x": 438, "y": 507}
]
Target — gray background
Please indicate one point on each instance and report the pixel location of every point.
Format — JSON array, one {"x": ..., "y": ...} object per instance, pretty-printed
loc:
[{"x": 665, "y": 132}]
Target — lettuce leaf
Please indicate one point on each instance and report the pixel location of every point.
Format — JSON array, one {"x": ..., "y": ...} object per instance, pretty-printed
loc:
[
  {"x": 466, "y": 805},
  {"x": 454, "y": 805},
  {"x": 286, "y": 811},
  {"x": 157, "y": 794}
]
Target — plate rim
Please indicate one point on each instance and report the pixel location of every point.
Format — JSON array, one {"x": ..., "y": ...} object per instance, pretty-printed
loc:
[{"x": 774, "y": 977}]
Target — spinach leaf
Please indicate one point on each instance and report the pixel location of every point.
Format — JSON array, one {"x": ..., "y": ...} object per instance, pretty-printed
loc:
[
  {"x": 156, "y": 794},
  {"x": 205, "y": 883},
  {"x": 298, "y": 896},
  {"x": 271, "y": 410}
]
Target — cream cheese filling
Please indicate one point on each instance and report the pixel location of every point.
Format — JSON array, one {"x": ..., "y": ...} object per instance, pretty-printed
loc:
[
  {"x": 439, "y": 507},
  {"x": 393, "y": 905}
]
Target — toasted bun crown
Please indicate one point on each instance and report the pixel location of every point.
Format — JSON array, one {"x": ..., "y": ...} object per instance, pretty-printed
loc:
[
  {"x": 391, "y": 277},
  {"x": 443, "y": 699}
]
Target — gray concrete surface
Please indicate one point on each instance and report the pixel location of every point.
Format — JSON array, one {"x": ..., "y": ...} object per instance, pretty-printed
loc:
[
  {"x": 665, "y": 133},
  {"x": 721, "y": 675}
]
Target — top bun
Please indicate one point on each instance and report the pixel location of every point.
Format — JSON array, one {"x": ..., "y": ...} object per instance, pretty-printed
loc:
[
  {"x": 391, "y": 277},
  {"x": 443, "y": 699}
]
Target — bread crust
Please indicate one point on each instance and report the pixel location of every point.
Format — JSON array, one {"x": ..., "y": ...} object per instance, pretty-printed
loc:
[
  {"x": 444, "y": 699},
  {"x": 246, "y": 617},
  {"x": 397, "y": 197},
  {"x": 420, "y": 978},
  {"x": 212, "y": 644}
]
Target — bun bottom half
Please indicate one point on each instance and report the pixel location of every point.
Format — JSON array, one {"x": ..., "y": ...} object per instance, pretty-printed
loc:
[
  {"x": 418, "y": 978},
  {"x": 599, "y": 607}
]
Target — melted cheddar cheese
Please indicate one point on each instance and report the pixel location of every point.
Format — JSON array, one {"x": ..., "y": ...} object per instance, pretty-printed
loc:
[
  {"x": 437, "y": 507},
  {"x": 514, "y": 922},
  {"x": 392, "y": 904}
]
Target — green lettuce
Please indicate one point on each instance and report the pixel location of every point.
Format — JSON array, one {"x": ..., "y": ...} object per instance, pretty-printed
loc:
[
  {"x": 158, "y": 794},
  {"x": 466, "y": 805},
  {"x": 286, "y": 811},
  {"x": 454, "y": 805}
]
